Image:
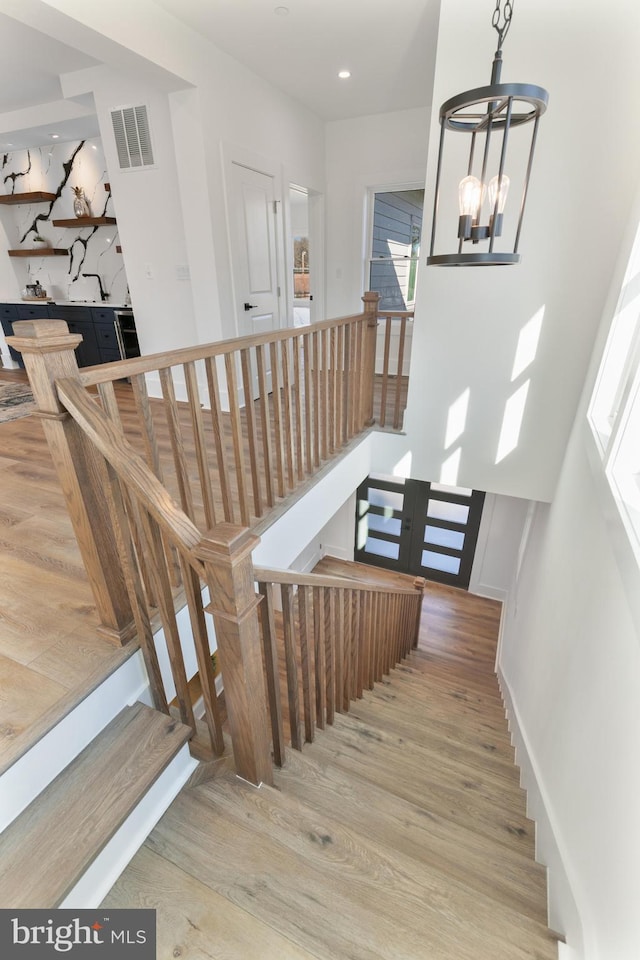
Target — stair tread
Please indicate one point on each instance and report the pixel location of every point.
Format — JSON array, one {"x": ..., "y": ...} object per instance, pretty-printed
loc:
[
  {"x": 49, "y": 846},
  {"x": 353, "y": 570},
  {"x": 504, "y": 875},
  {"x": 271, "y": 856},
  {"x": 191, "y": 916}
]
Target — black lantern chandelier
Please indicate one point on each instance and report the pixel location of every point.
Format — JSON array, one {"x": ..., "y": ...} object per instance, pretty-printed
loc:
[{"x": 487, "y": 116}]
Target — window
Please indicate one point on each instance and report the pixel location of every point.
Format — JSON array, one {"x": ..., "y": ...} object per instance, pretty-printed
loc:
[
  {"x": 395, "y": 247},
  {"x": 614, "y": 412}
]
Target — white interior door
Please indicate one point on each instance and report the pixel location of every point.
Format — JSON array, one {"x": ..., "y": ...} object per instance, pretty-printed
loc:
[{"x": 253, "y": 250}]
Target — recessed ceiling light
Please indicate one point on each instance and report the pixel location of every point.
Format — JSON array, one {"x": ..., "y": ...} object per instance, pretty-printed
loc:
[
  {"x": 344, "y": 74},
  {"x": 55, "y": 136},
  {"x": 281, "y": 11}
]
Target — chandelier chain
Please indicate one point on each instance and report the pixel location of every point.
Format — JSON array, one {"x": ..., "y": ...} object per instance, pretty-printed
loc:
[{"x": 503, "y": 12}]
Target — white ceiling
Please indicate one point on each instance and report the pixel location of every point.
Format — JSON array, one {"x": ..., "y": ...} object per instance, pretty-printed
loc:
[
  {"x": 384, "y": 45},
  {"x": 30, "y": 66}
]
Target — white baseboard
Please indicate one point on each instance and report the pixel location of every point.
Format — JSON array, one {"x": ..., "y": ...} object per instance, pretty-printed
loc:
[{"x": 563, "y": 912}]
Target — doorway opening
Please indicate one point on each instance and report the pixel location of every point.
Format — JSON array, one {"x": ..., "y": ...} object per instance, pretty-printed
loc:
[{"x": 412, "y": 526}]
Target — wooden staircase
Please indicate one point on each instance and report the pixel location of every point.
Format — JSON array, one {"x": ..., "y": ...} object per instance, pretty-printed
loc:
[
  {"x": 400, "y": 832},
  {"x": 48, "y": 849}
]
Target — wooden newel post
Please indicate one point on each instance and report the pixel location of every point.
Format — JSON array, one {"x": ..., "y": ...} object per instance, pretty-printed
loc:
[
  {"x": 226, "y": 554},
  {"x": 48, "y": 350},
  {"x": 370, "y": 301}
]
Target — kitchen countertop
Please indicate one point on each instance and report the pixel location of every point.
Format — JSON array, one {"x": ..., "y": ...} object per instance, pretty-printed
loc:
[{"x": 52, "y": 301}]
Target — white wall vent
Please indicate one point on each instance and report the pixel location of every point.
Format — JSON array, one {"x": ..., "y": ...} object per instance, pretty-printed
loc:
[{"x": 133, "y": 137}]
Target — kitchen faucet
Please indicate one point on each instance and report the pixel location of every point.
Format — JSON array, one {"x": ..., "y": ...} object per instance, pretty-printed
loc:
[{"x": 103, "y": 295}]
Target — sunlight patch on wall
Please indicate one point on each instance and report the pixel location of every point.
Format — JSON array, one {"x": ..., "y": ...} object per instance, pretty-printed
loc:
[
  {"x": 512, "y": 421},
  {"x": 527, "y": 344},
  {"x": 450, "y": 469},
  {"x": 457, "y": 418},
  {"x": 403, "y": 466}
]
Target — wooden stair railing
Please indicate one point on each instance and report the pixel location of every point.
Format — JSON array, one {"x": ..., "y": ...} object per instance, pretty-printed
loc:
[
  {"x": 222, "y": 458},
  {"x": 154, "y": 537},
  {"x": 339, "y": 637},
  {"x": 146, "y": 556}
]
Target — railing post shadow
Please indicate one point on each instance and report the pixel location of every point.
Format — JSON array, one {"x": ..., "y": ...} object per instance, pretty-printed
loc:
[
  {"x": 48, "y": 350},
  {"x": 370, "y": 301},
  {"x": 226, "y": 554}
]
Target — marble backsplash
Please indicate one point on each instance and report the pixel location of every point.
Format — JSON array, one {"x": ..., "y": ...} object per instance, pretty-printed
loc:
[{"x": 57, "y": 169}]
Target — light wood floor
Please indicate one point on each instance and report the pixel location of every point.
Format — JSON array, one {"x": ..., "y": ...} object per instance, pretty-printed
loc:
[
  {"x": 50, "y": 654},
  {"x": 399, "y": 833}
]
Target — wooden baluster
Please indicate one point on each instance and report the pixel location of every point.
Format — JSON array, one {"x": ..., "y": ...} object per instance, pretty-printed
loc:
[
  {"x": 368, "y": 358},
  {"x": 347, "y": 379},
  {"x": 339, "y": 648},
  {"x": 317, "y": 400},
  {"x": 333, "y": 389},
  {"x": 398, "y": 408},
  {"x": 126, "y": 538},
  {"x": 270, "y": 652},
  {"x": 278, "y": 425},
  {"x": 193, "y": 594},
  {"x": 347, "y": 606},
  {"x": 226, "y": 554},
  {"x": 291, "y": 665},
  {"x": 324, "y": 394},
  {"x": 154, "y": 548},
  {"x": 237, "y": 436},
  {"x": 252, "y": 436},
  {"x": 340, "y": 389},
  {"x": 177, "y": 445},
  {"x": 202, "y": 460},
  {"x": 357, "y": 647},
  {"x": 306, "y": 654},
  {"x": 288, "y": 420},
  {"x": 145, "y": 418},
  {"x": 319, "y": 630},
  {"x": 217, "y": 422},
  {"x": 48, "y": 350},
  {"x": 358, "y": 334},
  {"x": 382, "y": 418},
  {"x": 265, "y": 418},
  {"x": 297, "y": 407},
  {"x": 308, "y": 402},
  {"x": 330, "y": 652}
]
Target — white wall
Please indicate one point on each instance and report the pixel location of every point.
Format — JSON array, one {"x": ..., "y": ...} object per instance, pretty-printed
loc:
[
  {"x": 388, "y": 149},
  {"x": 207, "y": 110},
  {"x": 468, "y": 322},
  {"x": 570, "y": 666}
]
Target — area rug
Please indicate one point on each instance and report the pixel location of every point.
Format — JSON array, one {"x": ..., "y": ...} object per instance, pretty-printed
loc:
[{"x": 16, "y": 400}]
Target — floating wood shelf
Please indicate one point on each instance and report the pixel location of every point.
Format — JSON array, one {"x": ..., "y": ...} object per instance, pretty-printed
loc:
[
  {"x": 45, "y": 252},
  {"x": 85, "y": 222},
  {"x": 35, "y": 196}
]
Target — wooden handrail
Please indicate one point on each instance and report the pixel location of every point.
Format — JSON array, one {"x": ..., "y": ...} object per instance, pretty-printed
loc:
[
  {"x": 105, "y": 372},
  {"x": 292, "y": 577},
  {"x": 129, "y": 466}
]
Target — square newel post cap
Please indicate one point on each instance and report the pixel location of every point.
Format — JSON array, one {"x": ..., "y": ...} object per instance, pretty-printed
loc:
[
  {"x": 42, "y": 336},
  {"x": 226, "y": 541}
]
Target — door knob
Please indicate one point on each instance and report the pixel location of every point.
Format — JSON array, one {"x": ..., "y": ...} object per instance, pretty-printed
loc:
[{"x": 250, "y": 306}]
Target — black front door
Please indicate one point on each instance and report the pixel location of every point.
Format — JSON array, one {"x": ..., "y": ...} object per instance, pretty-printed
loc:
[{"x": 412, "y": 526}]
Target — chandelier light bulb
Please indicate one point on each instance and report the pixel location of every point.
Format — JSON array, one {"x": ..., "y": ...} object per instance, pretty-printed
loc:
[
  {"x": 501, "y": 194},
  {"x": 470, "y": 197}
]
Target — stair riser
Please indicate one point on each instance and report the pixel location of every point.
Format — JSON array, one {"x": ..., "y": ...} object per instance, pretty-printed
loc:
[{"x": 29, "y": 775}]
